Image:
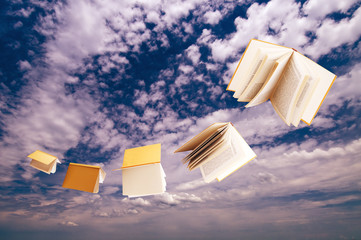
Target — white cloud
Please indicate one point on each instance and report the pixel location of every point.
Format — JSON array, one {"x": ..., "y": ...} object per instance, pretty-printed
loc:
[
  {"x": 50, "y": 117},
  {"x": 320, "y": 8},
  {"x": 177, "y": 9},
  {"x": 212, "y": 17},
  {"x": 45, "y": 203},
  {"x": 137, "y": 202},
  {"x": 266, "y": 178},
  {"x": 193, "y": 54},
  {"x": 290, "y": 29},
  {"x": 175, "y": 199},
  {"x": 114, "y": 61},
  {"x": 221, "y": 50},
  {"x": 280, "y": 15},
  {"x": 302, "y": 170},
  {"x": 103, "y": 133},
  {"x": 23, "y": 12},
  {"x": 186, "y": 68},
  {"x": 110, "y": 190},
  {"x": 69, "y": 223},
  {"x": 345, "y": 87},
  {"x": 153, "y": 17},
  {"x": 333, "y": 34},
  {"x": 19, "y": 24},
  {"x": 191, "y": 185},
  {"x": 131, "y": 211},
  {"x": 24, "y": 65},
  {"x": 47, "y": 119},
  {"x": 206, "y": 37}
]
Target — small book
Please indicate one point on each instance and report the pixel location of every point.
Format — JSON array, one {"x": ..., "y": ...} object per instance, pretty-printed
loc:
[
  {"x": 295, "y": 85},
  {"x": 142, "y": 172},
  {"x": 43, "y": 161},
  {"x": 218, "y": 151},
  {"x": 84, "y": 177}
]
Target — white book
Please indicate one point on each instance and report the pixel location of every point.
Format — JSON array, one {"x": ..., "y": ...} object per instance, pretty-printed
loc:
[
  {"x": 143, "y": 180},
  {"x": 143, "y": 173},
  {"x": 295, "y": 85},
  {"x": 218, "y": 151}
]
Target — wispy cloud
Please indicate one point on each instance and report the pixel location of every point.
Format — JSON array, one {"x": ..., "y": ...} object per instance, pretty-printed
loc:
[{"x": 119, "y": 74}]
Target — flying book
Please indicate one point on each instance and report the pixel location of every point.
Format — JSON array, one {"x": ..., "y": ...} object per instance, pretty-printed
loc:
[
  {"x": 43, "y": 161},
  {"x": 295, "y": 85},
  {"x": 218, "y": 151},
  {"x": 84, "y": 177},
  {"x": 142, "y": 172}
]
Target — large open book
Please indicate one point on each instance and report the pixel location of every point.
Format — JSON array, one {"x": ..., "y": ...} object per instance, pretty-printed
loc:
[
  {"x": 295, "y": 85},
  {"x": 218, "y": 151}
]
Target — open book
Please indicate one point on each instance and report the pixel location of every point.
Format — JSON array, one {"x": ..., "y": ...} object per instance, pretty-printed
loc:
[
  {"x": 43, "y": 161},
  {"x": 295, "y": 85},
  {"x": 218, "y": 151},
  {"x": 143, "y": 173}
]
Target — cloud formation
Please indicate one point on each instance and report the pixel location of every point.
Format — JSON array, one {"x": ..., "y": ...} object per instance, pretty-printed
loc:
[{"x": 95, "y": 78}]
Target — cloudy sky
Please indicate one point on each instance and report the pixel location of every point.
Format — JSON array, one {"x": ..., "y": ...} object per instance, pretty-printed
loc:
[{"x": 84, "y": 80}]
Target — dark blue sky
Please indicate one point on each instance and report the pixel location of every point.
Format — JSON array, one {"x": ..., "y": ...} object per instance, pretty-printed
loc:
[{"x": 85, "y": 80}]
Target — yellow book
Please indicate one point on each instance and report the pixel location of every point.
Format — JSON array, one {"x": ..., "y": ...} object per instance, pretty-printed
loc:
[
  {"x": 295, "y": 85},
  {"x": 142, "y": 155},
  {"x": 84, "y": 177},
  {"x": 143, "y": 173},
  {"x": 43, "y": 161}
]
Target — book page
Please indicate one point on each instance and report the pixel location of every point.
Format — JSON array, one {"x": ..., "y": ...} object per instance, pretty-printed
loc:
[
  {"x": 246, "y": 62},
  {"x": 164, "y": 185},
  {"x": 42, "y": 167},
  {"x": 258, "y": 60},
  {"x": 264, "y": 70},
  {"x": 143, "y": 180},
  {"x": 268, "y": 87},
  {"x": 206, "y": 143},
  {"x": 96, "y": 185},
  {"x": 207, "y": 154},
  {"x": 326, "y": 79},
  {"x": 209, "y": 149},
  {"x": 53, "y": 168},
  {"x": 235, "y": 153},
  {"x": 305, "y": 94},
  {"x": 209, "y": 168},
  {"x": 287, "y": 89},
  {"x": 195, "y": 141},
  {"x": 102, "y": 175}
]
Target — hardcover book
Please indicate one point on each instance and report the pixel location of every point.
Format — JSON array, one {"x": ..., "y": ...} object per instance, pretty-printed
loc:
[
  {"x": 142, "y": 172},
  {"x": 43, "y": 161},
  {"x": 84, "y": 177}
]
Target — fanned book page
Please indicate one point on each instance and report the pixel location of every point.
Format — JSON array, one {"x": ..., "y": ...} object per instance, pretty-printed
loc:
[
  {"x": 143, "y": 180},
  {"x": 220, "y": 153},
  {"x": 294, "y": 84}
]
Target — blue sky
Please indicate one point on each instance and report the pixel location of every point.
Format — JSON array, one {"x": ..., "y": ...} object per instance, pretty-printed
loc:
[{"x": 85, "y": 80}]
